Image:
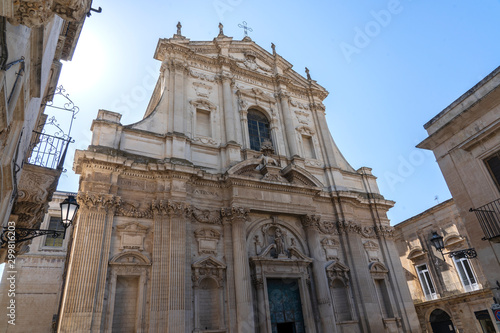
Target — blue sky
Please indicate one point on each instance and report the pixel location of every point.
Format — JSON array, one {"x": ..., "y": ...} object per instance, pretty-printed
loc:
[{"x": 390, "y": 66}]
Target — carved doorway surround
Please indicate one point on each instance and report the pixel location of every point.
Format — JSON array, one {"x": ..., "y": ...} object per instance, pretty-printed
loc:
[
  {"x": 293, "y": 268},
  {"x": 131, "y": 265}
]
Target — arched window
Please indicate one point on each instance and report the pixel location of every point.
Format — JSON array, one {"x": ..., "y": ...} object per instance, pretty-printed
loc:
[{"x": 258, "y": 129}]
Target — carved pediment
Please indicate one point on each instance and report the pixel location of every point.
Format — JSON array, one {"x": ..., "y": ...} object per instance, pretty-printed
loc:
[
  {"x": 337, "y": 270},
  {"x": 130, "y": 258},
  {"x": 208, "y": 267},
  {"x": 256, "y": 94},
  {"x": 378, "y": 270}
]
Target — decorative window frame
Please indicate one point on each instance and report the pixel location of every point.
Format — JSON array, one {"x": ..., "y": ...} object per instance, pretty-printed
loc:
[
  {"x": 338, "y": 271},
  {"x": 209, "y": 268},
  {"x": 207, "y": 106},
  {"x": 129, "y": 263}
]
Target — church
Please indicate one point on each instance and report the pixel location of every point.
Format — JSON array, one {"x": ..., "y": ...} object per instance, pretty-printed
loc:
[{"x": 229, "y": 208}]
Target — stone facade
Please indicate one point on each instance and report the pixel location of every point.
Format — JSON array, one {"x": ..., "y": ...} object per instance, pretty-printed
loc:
[
  {"x": 39, "y": 277},
  {"x": 441, "y": 283},
  {"x": 465, "y": 140},
  {"x": 229, "y": 208},
  {"x": 36, "y": 36}
]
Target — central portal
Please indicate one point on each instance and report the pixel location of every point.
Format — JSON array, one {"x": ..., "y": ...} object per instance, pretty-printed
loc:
[{"x": 285, "y": 306}]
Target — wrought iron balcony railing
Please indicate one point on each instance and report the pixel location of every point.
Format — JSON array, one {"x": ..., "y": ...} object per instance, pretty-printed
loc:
[
  {"x": 489, "y": 219},
  {"x": 48, "y": 151}
]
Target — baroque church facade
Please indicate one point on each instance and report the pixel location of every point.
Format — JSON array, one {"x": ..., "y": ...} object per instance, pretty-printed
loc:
[{"x": 229, "y": 208}]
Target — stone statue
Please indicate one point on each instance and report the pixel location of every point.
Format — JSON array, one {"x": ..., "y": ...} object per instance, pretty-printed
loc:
[
  {"x": 221, "y": 31},
  {"x": 308, "y": 75},
  {"x": 179, "y": 26},
  {"x": 265, "y": 159},
  {"x": 274, "y": 48},
  {"x": 278, "y": 241}
]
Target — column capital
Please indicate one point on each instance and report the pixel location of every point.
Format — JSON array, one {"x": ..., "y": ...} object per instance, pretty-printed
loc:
[
  {"x": 235, "y": 213},
  {"x": 311, "y": 221},
  {"x": 98, "y": 201},
  {"x": 283, "y": 95},
  {"x": 171, "y": 208}
]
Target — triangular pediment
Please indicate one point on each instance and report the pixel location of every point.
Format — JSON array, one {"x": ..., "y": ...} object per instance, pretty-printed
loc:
[{"x": 208, "y": 262}]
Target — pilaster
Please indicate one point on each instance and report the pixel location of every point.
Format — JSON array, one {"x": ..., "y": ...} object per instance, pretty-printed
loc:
[
  {"x": 243, "y": 291},
  {"x": 326, "y": 314},
  {"x": 288, "y": 121},
  {"x": 82, "y": 308}
]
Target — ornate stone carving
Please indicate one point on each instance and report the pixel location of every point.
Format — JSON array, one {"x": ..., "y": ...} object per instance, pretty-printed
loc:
[
  {"x": 98, "y": 201},
  {"x": 207, "y": 216},
  {"x": 36, "y": 13},
  {"x": 371, "y": 249},
  {"x": 129, "y": 210},
  {"x": 208, "y": 267},
  {"x": 235, "y": 213},
  {"x": 201, "y": 76},
  {"x": 311, "y": 221},
  {"x": 207, "y": 240},
  {"x": 203, "y": 104},
  {"x": 337, "y": 270},
  {"x": 202, "y": 90},
  {"x": 331, "y": 247},
  {"x": 305, "y": 130},
  {"x": 300, "y": 106},
  {"x": 167, "y": 207},
  {"x": 132, "y": 236}
]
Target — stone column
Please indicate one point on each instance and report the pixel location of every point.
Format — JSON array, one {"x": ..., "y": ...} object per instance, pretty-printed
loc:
[
  {"x": 243, "y": 292},
  {"x": 227, "y": 95},
  {"x": 290, "y": 132},
  {"x": 326, "y": 313},
  {"x": 261, "y": 300},
  {"x": 83, "y": 299}
]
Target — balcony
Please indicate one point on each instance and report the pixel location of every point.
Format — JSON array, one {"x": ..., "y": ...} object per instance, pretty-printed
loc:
[{"x": 489, "y": 219}]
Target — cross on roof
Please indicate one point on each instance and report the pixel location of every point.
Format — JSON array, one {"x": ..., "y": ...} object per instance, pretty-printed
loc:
[{"x": 245, "y": 28}]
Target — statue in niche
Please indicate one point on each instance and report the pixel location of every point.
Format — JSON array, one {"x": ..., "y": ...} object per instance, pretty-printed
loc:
[{"x": 278, "y": 241}]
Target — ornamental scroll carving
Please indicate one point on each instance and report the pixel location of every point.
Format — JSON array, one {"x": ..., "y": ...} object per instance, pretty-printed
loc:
[
  {"x": 233, "y": 213},
  {"x": 130, "y": 210},
  {"x": 98, "y": 201},
  {"x": 337, "y": 271},
  {"x": 345, "y": 227},
  {"x": 167, "y": 207},
  {"x": 36, "y": 13},
  {"x": 132, "y": 236},
  {"x": 207, "y": 216}
]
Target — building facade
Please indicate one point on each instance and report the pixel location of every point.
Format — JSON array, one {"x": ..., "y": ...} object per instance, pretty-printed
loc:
[
  {"x": 450, "y": 291},
  {"x": 35, "y": 37},
  {"x": 466, "y": 142},
  {"x": 39, "y": 277},
  {"x": 229, "y": 208}
]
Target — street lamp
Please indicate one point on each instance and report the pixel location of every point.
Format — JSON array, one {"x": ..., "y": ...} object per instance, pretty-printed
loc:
[
  {"x": 11, "y": 234},
  {"x": 437, "y": 241}
]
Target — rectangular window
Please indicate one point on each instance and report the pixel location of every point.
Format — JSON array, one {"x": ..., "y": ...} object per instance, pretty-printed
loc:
[
  {"x": 493, "y": 163},
  {"x": 203, "y": 126},
  {"x": 308, "y": 147},
  {"x": 426, "y": 282},
  {"x": 55, "y": 224},
  {"x": 485, "y": 321},
  {"x": 466, "y": 273}
]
